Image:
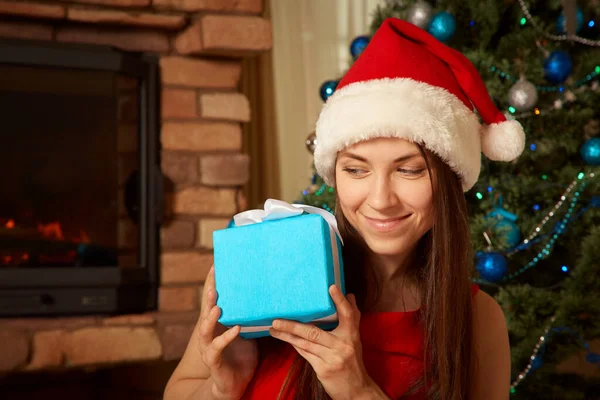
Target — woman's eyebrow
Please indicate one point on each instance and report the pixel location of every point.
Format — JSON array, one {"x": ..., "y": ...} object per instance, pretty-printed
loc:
[{"x": 399, "y": 159}]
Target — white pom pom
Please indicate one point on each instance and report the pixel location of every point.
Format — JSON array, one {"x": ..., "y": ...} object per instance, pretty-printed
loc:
[{"x": 503, "y": 141}]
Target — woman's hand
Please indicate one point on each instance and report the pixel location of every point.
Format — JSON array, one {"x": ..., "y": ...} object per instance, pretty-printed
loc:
[
  {"x": 335, "y": 356},
  {"x": 230, "y": 359}
]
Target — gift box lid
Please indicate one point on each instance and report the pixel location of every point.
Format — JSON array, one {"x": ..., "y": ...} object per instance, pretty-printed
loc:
[{"x": 276, "y": 269}]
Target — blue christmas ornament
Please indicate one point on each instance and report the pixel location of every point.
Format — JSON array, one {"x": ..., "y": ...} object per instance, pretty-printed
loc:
[
  {"x": 492, "y": 266},
  {"x": 509, "y": 230},
  {"x": 501, "y": 213},
  {"x": 358, "y": 45},
  {"x": 503, "y": 224},
  {"x": 590, "y": 151},
  {"x": 561, "y": 22},
  {"x": 557, "y": 67},
  {"x": 442, "y": 26},
  {"x": 327, "y": 89}
]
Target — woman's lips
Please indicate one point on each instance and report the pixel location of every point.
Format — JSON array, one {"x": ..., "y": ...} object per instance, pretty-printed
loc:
[{"x": 386, "y": 225}]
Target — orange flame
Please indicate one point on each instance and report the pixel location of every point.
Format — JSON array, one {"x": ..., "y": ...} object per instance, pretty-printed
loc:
[
  {"x": 51, "y": 230},
  {"x": 83, "y": 237}
]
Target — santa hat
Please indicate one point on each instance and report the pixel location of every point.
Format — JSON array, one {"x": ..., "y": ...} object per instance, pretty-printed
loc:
[{"x": 407, "y": 84}]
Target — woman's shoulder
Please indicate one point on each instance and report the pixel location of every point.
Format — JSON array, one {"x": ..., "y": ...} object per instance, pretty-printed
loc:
[
  {"x": 491, "y": 348},
  {"x": 488, "y": 318},
  {"x": 483, "y": 303}
]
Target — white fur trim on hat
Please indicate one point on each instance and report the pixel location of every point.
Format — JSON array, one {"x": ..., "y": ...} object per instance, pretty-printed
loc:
[
  {"x": 402, "y": 108},
  {"x": 503, "y": 141}
]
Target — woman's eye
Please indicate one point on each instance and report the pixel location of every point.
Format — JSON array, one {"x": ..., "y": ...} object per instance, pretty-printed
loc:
[
  {"x": 411, "y": 171},
  {"x": 354, "y": 171}
]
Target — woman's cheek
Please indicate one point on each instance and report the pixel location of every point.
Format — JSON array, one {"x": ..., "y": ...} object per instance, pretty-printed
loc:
[{"x": 351, "y": 192}]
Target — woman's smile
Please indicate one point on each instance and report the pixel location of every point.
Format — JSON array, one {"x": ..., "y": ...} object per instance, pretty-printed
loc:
[{"x": 388, "y": 224}]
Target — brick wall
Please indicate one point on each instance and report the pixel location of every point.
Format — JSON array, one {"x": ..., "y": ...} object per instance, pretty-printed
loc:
[{"x": 201, "y": 44}]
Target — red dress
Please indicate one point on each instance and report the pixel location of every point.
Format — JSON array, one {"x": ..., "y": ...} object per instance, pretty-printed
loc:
[{"x": 392, "y": 353}]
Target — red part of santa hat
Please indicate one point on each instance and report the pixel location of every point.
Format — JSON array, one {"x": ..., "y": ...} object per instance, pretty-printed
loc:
[{"x": 407, "y": 84}]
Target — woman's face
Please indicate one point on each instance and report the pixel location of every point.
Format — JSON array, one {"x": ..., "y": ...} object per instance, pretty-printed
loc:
[{"x": 384, "y": 191}]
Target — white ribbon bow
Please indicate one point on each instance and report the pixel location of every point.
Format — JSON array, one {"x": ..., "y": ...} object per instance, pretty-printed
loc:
[{"x": 278, "y": 209}]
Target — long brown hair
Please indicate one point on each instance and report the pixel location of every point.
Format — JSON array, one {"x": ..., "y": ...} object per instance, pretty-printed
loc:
[{"x": 444, "y": 262}]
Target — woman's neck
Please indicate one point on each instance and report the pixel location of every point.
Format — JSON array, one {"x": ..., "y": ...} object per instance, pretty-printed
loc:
[
  {"x": 399, "y": 290},
  {"x": 391, "y": 268}
]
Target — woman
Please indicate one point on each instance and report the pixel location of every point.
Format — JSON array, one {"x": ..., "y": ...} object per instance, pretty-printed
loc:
[{"x": 400, "y": 141}]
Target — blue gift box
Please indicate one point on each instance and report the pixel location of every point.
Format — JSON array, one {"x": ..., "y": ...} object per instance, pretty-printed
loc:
[{"x": 279, "y": 268}]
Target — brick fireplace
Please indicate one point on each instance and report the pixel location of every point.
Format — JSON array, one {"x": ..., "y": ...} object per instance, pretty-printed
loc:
[{"x": 200, "y": 45}]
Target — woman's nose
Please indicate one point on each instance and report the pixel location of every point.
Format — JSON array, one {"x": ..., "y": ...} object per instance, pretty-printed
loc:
[{"x": 382, "y": 194}]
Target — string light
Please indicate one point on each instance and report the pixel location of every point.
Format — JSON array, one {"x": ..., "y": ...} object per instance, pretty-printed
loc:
[
  {"x": 545, "y": 252},
  {"x": 573, "y": 38},
  {"x": 538, "y": 350},
  {"x": 594, "y": 202},
  {"x": 532, "y": 358},
  {"x": 546, "y": 88},
  {"x": 557, "y": 232},
  {"x": 319, "y": 192},
  {"x": 547, "y": 218}
]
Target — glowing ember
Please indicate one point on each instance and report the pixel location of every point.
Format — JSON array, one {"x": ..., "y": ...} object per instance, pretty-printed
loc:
[{"x": 51, "y": 230}]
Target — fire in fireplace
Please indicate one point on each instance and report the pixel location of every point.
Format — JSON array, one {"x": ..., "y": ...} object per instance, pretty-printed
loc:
[
  {"x": 42, "y": 245},
  {"x": 82, "y": 189}
]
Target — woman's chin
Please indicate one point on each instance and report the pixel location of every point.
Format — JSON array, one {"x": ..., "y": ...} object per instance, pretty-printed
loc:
[{"x": 390, "y": 247}]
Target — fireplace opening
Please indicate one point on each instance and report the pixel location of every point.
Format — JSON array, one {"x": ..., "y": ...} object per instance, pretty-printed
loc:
[{"x": 79, "y": 168}]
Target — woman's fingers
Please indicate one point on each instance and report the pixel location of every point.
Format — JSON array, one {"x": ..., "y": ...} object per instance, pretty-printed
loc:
[
  {"x": 208, "y": 294},
  {"x": 207, "y": 327},
  {"x": 212, "y": 354}
]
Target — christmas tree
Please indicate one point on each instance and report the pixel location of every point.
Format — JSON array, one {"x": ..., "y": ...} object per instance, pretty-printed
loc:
[{"x": 535, "y": 221}]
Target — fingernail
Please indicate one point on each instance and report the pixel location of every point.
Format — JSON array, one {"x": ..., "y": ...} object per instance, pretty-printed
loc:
[{"x": 276, "y": 324}]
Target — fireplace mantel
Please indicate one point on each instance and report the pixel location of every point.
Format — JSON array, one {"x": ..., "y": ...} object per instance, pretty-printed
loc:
[{"x": 200, "y": 45}]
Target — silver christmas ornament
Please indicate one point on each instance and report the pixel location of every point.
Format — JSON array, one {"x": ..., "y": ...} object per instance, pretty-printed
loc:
[
  {"x": 570, "y": 96},
  {"x": 311, "y": 142},
  {"x": 523, "y": 96},
  {"x": 420, "y": 14},
  {"x": 558, "y": 104}
]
